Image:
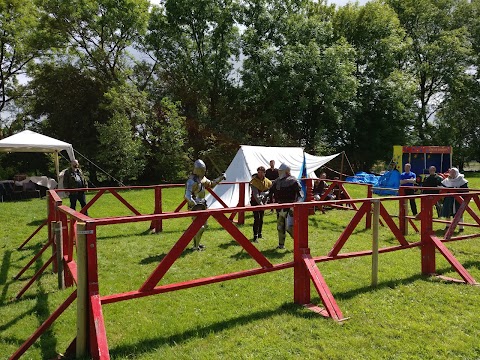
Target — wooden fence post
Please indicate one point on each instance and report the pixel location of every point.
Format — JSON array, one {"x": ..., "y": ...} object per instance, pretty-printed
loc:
[
  {"x": 59, "y": 245},
  {"x": 376, "y": 221},
  {"x": 82, "y": 292}
]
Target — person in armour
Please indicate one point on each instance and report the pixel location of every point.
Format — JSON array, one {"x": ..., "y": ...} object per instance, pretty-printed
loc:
[
  {"x": 195, "y": 195},
  {"x": 285, "y": 189}
]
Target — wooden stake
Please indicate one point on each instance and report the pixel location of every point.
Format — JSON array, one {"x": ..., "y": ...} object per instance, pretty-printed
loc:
[
  {"x": 82, "y": 291},
  {"x": 376, "y": 221},
  {"x": 59, "y": 250}
]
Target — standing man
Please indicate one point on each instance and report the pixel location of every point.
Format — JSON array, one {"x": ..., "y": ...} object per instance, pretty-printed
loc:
[
  {"x": 285, "y": 189},
  {"x": 408, "y": 178},
  {"x": 73, "y": 178},
  {"x": 272, "y": 172},
  {"x": 433, "y": 180},
  {"x": 260, "y": 185},
  {"x": 195, "y": 195}
]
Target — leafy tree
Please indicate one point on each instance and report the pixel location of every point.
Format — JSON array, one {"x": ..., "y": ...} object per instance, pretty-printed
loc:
[
  {"x": 194, "y": 43},
  {"x": 385, "y": 97},
  {"x": 439, "y": 53},
  {"x": 164, "y": 137},
  {"x": 120, "y": 152},
  {"x": 23, "y": 39},
  {"x": 295, "y": 76},
  {"x": 99, "y": 32}
]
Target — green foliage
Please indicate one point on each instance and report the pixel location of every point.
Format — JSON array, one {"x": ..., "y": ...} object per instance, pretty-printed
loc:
[
  {"x": 164, "y": 136},
  {"x": 97, "y": 33},
  {"x": 23, "y": 39},
  {"x": 295, "y": 77},
  {"x": 68, "y": 100},
  {"x": 383, "y": 107},
  {"x": 194, "y": 43},
  {"x": 119, "y": 152},
  {"x": 438, "y": 55}
]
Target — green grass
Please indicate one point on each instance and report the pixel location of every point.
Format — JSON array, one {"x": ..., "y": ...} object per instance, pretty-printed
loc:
[{"x": 407, "y": 316}]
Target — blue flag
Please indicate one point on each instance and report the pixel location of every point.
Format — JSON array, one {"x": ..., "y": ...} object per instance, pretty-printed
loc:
[{"x": 303, "y": 174}]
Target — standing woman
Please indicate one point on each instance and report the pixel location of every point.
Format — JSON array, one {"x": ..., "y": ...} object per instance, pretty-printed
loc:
[{"x": 450, "y": 205}]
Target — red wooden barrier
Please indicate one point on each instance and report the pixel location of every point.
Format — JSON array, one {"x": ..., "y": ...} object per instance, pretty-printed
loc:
[{"x": 305, "y": 266}]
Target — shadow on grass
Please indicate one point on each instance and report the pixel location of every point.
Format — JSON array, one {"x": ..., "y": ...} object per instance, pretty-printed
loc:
[
  {"x": 36, "y": 222},
  {"x": 47, "y": 342},
  {"x": 147, "y": 345},
  {"x": 269, "y": 254}
]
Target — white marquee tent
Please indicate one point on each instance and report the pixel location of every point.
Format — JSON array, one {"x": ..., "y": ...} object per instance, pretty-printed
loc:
[
  {"x": 29, "y": 141},
  {"x": 249, "y": 158}
]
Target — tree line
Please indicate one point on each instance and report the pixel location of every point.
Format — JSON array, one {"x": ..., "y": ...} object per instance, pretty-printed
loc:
[{"x": 142, "y": 89}]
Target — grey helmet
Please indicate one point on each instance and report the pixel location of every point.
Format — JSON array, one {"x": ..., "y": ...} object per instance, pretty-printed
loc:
[
  {"x": 283, "y": 170},
  {"x": 199, "y": 168}
]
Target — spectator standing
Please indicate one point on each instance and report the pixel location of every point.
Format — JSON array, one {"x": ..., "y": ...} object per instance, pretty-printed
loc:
[
  {"x": 73, "y": 178},
  {"x": 408, "y": 178},
  {"x": 272, "y": 172},
  {"x": 285, "y": 189},
  {"x": 260, "y": 186},
  {"x": 450, "y": 205},
  {"x": 433, "y": 180}
]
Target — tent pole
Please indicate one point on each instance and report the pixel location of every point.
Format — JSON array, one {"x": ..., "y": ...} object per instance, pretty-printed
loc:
[
  {"x": 57, "y": 166},
  {"x": 341, "y": 165}
]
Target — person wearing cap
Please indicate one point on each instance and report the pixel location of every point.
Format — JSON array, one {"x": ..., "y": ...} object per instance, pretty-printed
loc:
[
  {"x": 260, "y": 185},
  {"x": 195, "y": 195},
  {"x": 450, "y": 205},
  {"x": 285, "y": 189}
]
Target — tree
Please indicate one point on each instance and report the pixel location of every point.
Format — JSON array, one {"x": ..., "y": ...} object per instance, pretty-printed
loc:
[
  {"x": 295, "y": 75},
  {"x": 384, "y": 100},
  {"x": 120, "y": 152},
  {"x": 439, "y": 54},
  {"x": 23, "y": 39},
  {"x": 194, "y": 43},
  {"x": 164, "y": 138},
  {"x": 99, "y": 33}
]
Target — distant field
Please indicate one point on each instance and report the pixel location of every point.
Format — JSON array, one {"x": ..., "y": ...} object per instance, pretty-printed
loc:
[
  {"x": 407, "y": 316},
  {"x": 472, "y": 166}
]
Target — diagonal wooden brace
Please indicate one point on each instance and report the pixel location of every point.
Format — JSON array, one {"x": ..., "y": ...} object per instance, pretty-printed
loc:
[
  {"x": 453, "y": 261},
  {"x": 174, "y": 253},
  {"x": 322, "y": 288}
]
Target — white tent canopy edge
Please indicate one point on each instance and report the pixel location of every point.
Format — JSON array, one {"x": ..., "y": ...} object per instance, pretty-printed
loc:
[
  {"x": 30, "y": 141},
  {"x": 249, "y": 158}
]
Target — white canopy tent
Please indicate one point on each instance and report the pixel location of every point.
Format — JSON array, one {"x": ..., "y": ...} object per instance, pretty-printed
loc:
[
  {"x": 249, "y": 158},
  {"x": 30, "y": 141}
]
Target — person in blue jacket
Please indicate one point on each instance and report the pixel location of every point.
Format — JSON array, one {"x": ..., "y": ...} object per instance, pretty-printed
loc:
[{"x": 409, "y": 178}]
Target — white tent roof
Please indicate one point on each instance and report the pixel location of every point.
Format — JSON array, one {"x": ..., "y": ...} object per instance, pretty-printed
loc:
[
  {"x": 29, "y": 141},
  {"x": 249, "y": 158}
]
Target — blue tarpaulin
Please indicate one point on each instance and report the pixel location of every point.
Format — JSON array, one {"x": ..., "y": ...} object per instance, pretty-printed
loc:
[{"x": 390, "y": 180}]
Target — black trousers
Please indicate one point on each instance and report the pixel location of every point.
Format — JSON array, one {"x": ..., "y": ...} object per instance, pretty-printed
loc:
[
  {"x": 413, "y": 204},
  {"x": 77, "y": 196},
  {"x": 258, "y": 222}
]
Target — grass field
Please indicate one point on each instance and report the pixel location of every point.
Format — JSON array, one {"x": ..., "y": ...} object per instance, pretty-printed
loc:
[{"x": 407, "y": 316}]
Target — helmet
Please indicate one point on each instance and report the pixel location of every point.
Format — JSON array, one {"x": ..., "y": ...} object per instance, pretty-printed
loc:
[
  {"x": 283, "y": 170},
  {"x": 199, "y": 168}
]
